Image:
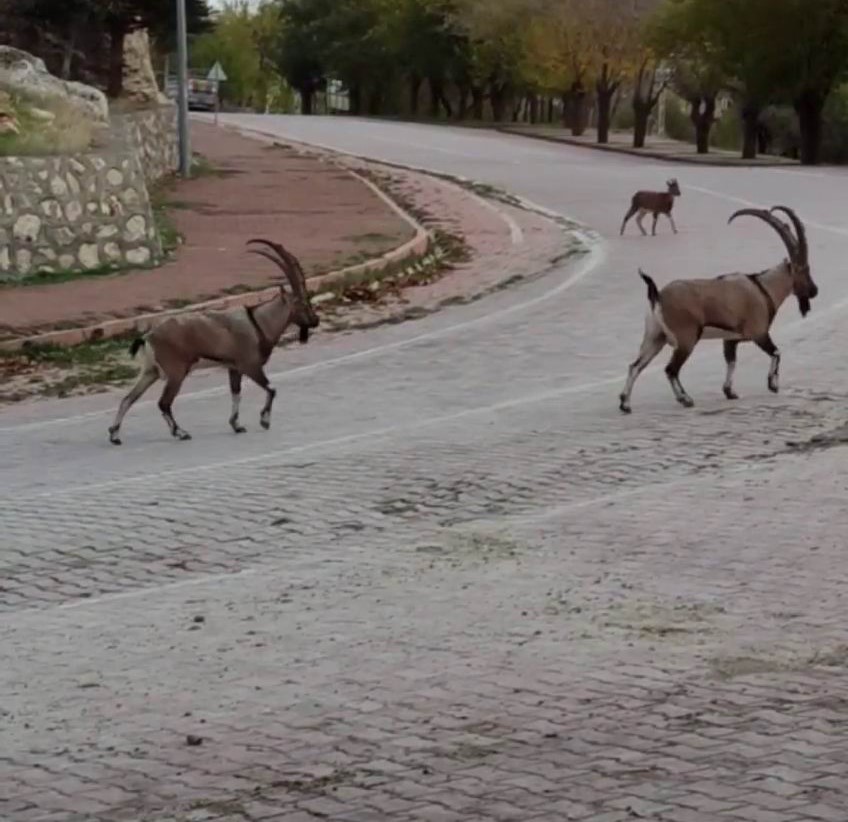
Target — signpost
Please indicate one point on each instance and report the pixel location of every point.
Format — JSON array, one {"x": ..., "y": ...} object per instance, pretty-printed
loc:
[
  {"x": 182, "y": 88},
  {"x": 217, "y": 75}
]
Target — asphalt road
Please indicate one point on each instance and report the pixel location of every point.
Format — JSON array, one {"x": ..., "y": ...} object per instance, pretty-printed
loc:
[{"x": 452, "y": 565}]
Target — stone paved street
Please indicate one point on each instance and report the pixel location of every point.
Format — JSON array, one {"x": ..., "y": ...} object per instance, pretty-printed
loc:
[{"x": 453, "y": 582}]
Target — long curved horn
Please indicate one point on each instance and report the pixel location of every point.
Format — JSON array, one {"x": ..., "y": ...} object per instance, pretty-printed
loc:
[
  {"x": 800, "y": 231},
  {"x": 778, "y": 225},
  {"x": 296, "y": 267},
  {"x": 295, "y": 264},
  {"x": 281, "y": 261},
  {"x": 268, "y": 256}
]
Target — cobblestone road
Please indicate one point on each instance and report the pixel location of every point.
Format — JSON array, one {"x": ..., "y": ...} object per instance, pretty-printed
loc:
[{"x": 453, "y": 583}]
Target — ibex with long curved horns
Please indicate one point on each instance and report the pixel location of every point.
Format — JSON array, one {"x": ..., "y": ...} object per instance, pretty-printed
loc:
[
  {"x": 239, "y": 339},
  {"x": 733, "y": 307}
]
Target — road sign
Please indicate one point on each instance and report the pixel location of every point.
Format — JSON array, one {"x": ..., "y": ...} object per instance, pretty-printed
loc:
[{"x": 217, "y": 73}]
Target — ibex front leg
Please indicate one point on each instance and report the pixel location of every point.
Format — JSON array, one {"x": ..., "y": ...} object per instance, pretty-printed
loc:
[
  {"x": 766, "y": 344},
  {"x": 235, "y": 393},
  {"x": 730, "y": 347},
  {"x": 258, "y": 376}
]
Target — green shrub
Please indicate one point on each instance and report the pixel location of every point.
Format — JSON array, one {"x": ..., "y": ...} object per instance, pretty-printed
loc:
[
  {"x": 622, "y": 118},
  {"x": 727, "y": 131},
  {"x": 678, "y": 125},
  {"x": 835, "y": 137}
]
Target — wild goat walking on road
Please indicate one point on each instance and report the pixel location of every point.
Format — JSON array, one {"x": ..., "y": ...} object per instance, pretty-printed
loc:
[
  {"x": 240, "y": 339},
  {"x": 733, "y": 307},
  {"x": 655, "y": 202}
]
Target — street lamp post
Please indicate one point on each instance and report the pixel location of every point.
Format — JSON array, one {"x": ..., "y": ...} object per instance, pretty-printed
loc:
[{"x": 182, "y": 89}]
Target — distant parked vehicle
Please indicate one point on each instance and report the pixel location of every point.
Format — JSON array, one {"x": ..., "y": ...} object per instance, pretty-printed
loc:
[{"x": 201, "y": 92}]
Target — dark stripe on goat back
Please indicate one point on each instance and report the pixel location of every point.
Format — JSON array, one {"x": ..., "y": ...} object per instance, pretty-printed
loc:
[
  {"x": 265, "y": 347},
  {"x": 772, "y": 308}
]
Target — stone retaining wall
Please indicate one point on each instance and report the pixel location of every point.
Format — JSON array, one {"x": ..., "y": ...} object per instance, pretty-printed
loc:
[
  {"x": 89, "y": 211},
  {"x": 152, "y": 133}
]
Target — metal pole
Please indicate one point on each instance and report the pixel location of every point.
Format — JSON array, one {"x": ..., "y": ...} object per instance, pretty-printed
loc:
[{"x": 182, "y": 89}]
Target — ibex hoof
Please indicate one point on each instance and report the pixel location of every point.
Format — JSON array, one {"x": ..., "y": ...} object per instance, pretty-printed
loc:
[
  {"x": 183, "y": 436},
  {"x": 266, "y": 424},
  {"x": 239, "y": 429},
  {"x": 687, "y": 402},
  {"x": 730, "y": 394},
  {"x": 773, "y": 387},
  {"x": 113, "y": 436},
  {"x": 624, "y": 406}
]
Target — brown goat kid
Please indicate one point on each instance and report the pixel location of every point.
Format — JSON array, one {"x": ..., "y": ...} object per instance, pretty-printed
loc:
[
  {"x": 239, "y": 339},
  {"x": 733, "y": 307},
  {"x": 655, "y": 203}
]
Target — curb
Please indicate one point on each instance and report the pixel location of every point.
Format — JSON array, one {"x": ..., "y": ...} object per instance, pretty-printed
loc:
[
  {"x": 414, "y": 248},
  {"x": 694, "y": 159}
]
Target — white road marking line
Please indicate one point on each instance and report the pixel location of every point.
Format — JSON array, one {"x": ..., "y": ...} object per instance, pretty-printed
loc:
[
  {"x": 135, "y": 593},
  {"x": 269, "y": 456},
  {"x": 831, "y": 229}
]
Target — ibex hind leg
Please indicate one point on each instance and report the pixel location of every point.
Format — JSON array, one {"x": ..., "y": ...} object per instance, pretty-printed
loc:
[
  {"x": 672, "y": 371},
  {"x": 652, "y": 344},
  {"x": 172, "y": 388},
  {"x": 627, "y": 217},
  {"x": 148, "y": 376}
]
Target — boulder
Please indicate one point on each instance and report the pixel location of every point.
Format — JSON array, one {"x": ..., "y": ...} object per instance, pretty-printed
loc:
[
  {"x": 139, "y": 78},
  {"x": 25, "y": 75}
]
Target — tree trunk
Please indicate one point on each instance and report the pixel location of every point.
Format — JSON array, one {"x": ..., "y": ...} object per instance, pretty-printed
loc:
[
  {"x": 809, "y": 106},
  {"x": 641, "y": 113},
  {"x": 68, "y": 50},
  {"x": 550, "y": 107},
  {"x": 446, "y": 104},
  {"x": 436, "y": 96},
  {"x": 307, "y": 98},
  {"x": 117, "y": 35},
  {"x": 355, "y": 97},
  {"x": 750, "y": 131},
  {"x": 414, "y": 94},
  {"x": 534, "y": 109},
  {"x": 575, "y": 105},
  {"x": 375, "y": 102},
  {"x": 462, "y": 108},
  {"x": 478, "y": 100},
  {"x": 702, "y": 114},
  {"x": 605, "y": 95},
  {"x": 498, "y": 97}
]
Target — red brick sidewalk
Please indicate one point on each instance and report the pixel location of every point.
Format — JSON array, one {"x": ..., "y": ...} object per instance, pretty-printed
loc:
[{"x": 323, "y": 214}]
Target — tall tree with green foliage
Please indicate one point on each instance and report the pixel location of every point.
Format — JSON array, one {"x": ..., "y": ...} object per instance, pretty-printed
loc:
[
  {"x": 680, "y": 36},
  {"x": 792, "y": 51},
  {"x": 301, "y": 48}
]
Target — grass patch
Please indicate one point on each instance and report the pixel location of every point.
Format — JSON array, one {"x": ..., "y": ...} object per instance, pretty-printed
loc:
[
  {"x": 63, "y": 275},
  {"x": 56, "y": 371},
  {"x": 162, "y": 206},
  {"x": 46, "y": 128},
  {"x": 203, "y": 167}
]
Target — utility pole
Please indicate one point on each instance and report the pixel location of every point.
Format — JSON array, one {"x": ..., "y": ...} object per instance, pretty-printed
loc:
[{"x": 182, "y": 88}]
